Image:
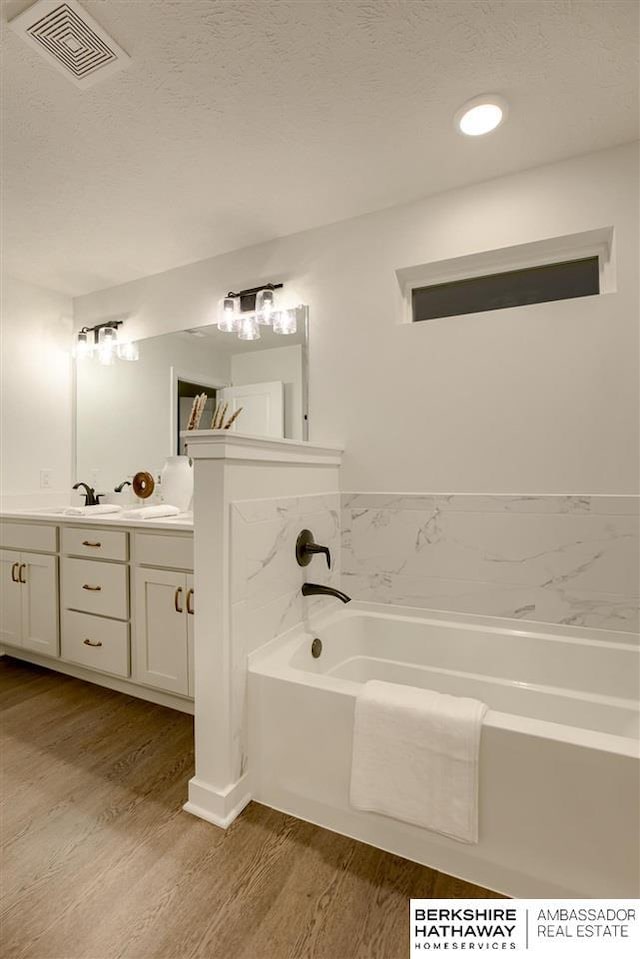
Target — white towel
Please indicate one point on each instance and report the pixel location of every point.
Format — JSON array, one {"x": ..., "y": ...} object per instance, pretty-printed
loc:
[
  {"x": 152, "y": 512},
  {"x": 100, "y": 510},
  {"x": 415, "y": 757}
]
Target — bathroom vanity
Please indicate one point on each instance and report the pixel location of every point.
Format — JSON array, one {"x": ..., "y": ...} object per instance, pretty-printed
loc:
[{"x": 110, "y": 600}]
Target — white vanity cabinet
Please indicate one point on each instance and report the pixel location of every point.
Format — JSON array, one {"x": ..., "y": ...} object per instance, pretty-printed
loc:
[
  {"x": 112, "y": 604},
  {"x": 164, "y": 608},
  {"x": 29, "y": 590}
]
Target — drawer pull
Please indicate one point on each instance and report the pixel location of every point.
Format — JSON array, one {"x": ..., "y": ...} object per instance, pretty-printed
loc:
[
  {"x": 176, "y": 596},
  {"x": 21, "y": 570},
  {"x": 92, "y": 589},
  {"x": 189, "y": 602},
  {"x": 14, "y": 572},
  {"x": 87, "y": 542},
  {"x": 89, "y": 642}
]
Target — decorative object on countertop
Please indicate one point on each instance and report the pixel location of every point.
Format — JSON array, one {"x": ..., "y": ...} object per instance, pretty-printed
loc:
[
  {"x": 218, "y": 415},
  {"x": 217, "y": 421},
  {"x": 197, "y": 410},
  {"x": 143, "y": 484},
  {"x": 177, "y": 482},
  {"x": 233, "y": 418},
  {"x": 153, "y": 512}
]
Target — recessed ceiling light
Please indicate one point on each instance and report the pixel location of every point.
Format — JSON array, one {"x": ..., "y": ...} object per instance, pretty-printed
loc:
[{"x": 481, "y": 115}]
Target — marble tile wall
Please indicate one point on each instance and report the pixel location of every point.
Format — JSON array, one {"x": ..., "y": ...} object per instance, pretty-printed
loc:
[
  {"x": 265, "y": 580},
  {"x": 553, "y": 559}
]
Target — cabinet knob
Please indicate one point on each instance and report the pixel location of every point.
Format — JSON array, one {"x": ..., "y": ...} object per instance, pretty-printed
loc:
[
  {"x": 92, "y": 589},
  {"x": 14, "y": 572},
  {"x": 190, "y": 602},
  {"x": 176, "y": 597},
  {"x": 21, "y": 570},
  {"x": 87, "y": 542},
  {"x": 89, "y": 642}
]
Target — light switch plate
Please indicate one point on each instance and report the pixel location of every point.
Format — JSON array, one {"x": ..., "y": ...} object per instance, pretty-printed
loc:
[{"x": 46, "y": 479}]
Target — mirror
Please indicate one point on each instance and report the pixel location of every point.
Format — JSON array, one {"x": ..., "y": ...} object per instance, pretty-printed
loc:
[{"x": 129, "y": 415}]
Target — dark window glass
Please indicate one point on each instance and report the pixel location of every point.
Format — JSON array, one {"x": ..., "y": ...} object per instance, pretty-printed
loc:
[{"x": 538, "y": 284}]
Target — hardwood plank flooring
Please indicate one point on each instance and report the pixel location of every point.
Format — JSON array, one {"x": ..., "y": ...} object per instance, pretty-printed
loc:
[{"x": 100, "y": 862}]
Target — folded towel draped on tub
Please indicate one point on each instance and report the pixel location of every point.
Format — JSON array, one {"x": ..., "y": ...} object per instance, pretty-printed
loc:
[
  {"x": 415, "y": 757},
  {"x": 100, "y": 510}
]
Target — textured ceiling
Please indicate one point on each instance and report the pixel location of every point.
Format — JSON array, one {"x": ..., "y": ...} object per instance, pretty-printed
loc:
[{"x": 241, "y": 121}]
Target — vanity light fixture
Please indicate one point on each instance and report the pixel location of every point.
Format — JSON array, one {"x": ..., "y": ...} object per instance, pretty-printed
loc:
[
  {"x": 228, "y": 314},
  {"x": 245, "y": 312},
  {"x": 104, "y": 340},
  {"x": 285, "y": 322},
  {"x": 265, "y": 306},
  {"x": 481, "y": 115}
]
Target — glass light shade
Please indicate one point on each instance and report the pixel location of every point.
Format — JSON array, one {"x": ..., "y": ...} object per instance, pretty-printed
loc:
[
  {"x": 249, "y": 329},
  {"x": 265, "y": 307},
  {"x": 107, "y": 343},
  {"x": 285, "y": 322},
  {"x": 84, "y": 344},
  {"x": 129, "y": 351},
  {"x": 228, "y": 315}
]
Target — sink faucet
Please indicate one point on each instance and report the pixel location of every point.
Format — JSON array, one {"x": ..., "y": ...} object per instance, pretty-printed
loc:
[
  {"x": 121, "y": 486},
  {"x": 91, "y": 498},
  {"x": 315, "y": 589}
]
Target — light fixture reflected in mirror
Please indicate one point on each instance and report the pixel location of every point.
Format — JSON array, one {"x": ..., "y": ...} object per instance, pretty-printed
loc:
[
  {"x": 249, "y": 329},
  {"x": 285, "y": 322},
  {"x": 228, "y": 314},
  {"x": 265, "y": 306},
  {"x": 103, "y": 339},
  {"x": 84, "y": 344},
  {"x": 107, "y": 343},
  {"x": 129, "y": 351}
]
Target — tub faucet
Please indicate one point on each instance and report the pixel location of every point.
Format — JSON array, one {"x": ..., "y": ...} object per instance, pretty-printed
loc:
[{"x": 316, "y": 589}]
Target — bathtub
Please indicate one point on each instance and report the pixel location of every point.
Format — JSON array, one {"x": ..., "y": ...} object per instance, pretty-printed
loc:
[{"x": 559, "y": 783}]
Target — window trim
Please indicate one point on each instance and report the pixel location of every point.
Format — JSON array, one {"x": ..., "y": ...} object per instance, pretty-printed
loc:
[{"x": 574, "y": 246}]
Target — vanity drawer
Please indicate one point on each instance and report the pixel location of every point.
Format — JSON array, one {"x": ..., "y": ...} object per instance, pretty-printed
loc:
[
  {"x": 96, "y": 643},
  {"x": 174, "y": 552},
  {"x": 100, "y": 588},
  {"x": 95, "y": 543},
  {"x": 41, "y": 539}
]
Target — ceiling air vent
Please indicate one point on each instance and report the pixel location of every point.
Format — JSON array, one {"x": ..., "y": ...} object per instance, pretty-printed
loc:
[{"x": 69, "y": 38}]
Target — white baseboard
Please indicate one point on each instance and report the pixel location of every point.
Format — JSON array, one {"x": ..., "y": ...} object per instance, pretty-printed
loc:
[{"x": 219, "y": 807}]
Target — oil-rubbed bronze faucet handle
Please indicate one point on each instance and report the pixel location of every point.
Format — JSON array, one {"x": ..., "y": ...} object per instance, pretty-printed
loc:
[{"x": 306, "y": 549}]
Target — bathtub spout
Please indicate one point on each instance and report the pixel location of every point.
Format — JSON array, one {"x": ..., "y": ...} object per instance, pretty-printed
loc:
[{"x": 315, "y": 589}]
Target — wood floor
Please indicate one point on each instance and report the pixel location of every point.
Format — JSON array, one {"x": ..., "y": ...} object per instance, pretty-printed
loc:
[{"x": 99, "y": 861}]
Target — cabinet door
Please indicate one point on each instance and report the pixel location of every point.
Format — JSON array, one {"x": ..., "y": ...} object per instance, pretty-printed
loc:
[
  {"x": 40, "y": 628},
  {"x": 161, "y": 630},
  {"x": 190, "y": 604},
  {"x": 10, "y": 598}
]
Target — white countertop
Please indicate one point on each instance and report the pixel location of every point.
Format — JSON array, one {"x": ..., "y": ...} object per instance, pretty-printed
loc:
[{"x": 183, "y": 522}]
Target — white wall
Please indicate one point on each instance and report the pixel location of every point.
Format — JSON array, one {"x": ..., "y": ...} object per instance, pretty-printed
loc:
[
  {"x": 36, "y": 419},
  {"x": 266, "y": 366},
  {"x": 125, "y": 412},
  {"x": 539, "y": 399}
]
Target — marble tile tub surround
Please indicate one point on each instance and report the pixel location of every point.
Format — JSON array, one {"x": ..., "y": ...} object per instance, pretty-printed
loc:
[
  {"x": 266, "y": 581},
  {"x": 548, "y": 558},
  {"x": 265, "y": 578}
]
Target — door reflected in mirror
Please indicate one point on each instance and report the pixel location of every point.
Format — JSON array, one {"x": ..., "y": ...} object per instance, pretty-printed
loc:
[{"x": 130, "y": 416}]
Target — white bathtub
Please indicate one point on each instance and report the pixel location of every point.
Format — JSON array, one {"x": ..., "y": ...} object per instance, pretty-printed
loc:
[{"x": 559, "y": 783}]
